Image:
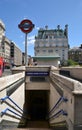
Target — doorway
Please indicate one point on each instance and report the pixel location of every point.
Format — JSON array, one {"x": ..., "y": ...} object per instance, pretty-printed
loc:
[{"x": 37, "y": 104}]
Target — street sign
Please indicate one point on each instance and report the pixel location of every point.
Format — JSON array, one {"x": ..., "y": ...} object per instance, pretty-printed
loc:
[
  {"x": 26, "y": 26},
  {"x": 37, "y": 73}
]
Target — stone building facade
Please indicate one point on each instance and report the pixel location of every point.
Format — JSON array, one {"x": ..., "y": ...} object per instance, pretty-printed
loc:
[
  {"x": 16, "y": 55},
  {"x": 2, "y": 34},
  {"x": 8, "y": 49},
  {"x": 52, "y": 42},
  {"x": 4, "y": 45}
]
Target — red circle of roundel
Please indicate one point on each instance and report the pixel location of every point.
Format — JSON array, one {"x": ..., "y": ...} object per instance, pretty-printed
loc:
[{"x": 27, "y": 30}]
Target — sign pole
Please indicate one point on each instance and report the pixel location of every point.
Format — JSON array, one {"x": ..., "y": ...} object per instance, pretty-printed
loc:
[{"x": 26, "y": 55}]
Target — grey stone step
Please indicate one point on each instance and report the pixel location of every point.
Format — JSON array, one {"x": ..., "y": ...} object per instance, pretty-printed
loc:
[
  {"x": 29, "y": 129},
  {"x": 37, "y": 124}
]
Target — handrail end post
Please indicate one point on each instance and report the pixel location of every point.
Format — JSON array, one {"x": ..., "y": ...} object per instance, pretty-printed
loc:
[
  {"x": 1, "y": 114},
  {"x": 65, "y": 99},
  {"x": 1, "y": 101},
  {"x": 65, "y": 113}
]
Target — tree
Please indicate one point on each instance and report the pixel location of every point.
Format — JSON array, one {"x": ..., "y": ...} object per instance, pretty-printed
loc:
[{"x": 71, "y": 63}]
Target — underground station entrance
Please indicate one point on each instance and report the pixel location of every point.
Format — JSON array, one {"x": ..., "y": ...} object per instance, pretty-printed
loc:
[{"x": 36, "y": 102}]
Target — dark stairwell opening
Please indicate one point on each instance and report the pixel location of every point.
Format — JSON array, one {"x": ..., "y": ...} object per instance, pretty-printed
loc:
[{"x": 36, "y": 104}]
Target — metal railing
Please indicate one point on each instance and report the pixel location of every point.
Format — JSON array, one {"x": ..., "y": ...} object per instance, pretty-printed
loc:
[
  {"x": 7, "y": 97},
  {"x": 61, "y": 99},
  {"x": 7, "y": 109},
  {"x": 57, "y": 114},
  {"x": 4, "y": 112}
]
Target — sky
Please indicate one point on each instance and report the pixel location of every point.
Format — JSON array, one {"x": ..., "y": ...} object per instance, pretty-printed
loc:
[{"x": 41, "y": 13}]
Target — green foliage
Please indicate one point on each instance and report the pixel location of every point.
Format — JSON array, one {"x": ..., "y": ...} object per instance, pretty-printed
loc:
[{"x": 71, "y": 63}]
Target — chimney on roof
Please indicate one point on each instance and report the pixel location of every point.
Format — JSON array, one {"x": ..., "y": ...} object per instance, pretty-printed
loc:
[
  {"x": 58, "y": 27},
  {"x": 66, "y": 27},
  {"x": 46, "y": 27},
  {"x": 80, "y": 46},
  {"x": 66, "y": 30}
]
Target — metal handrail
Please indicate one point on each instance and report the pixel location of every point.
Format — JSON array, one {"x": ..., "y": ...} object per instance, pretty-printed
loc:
[
  {"x": 60, "y": 112},
  {"x": 7, "y": 109},
  {"x": 13, "y": 107},
  {"x": 7, "y": 97},
  {"x": 58, "y": 103}
]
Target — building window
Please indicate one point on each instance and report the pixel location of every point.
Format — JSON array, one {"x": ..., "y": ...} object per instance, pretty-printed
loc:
[
  {"x": 56, "y": 45},
  {"x": 50, "y": 45},
  {"x": 37, "y": 50},
  {"x": 46, "y": 36},
  {"x": 44, "y": 50},
  {"x": 37, "y": 45},
  {"x": 50, "y": 51},
  {"x": 63, "y": 45},
  {"x": 63, "y": 56},
  {"x": 50, "y": 37},
  {"x": 44, "y": 45}
]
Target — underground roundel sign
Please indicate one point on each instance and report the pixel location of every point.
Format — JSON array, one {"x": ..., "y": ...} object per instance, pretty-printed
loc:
[{"x": 26, "y": 26}]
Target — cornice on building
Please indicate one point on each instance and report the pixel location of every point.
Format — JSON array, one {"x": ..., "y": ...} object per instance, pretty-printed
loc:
[
  {"x": 15, "y": 45},
  {"x": 2, "y": 24},
  {"x": 43, "y": 33},
  {"x": 7, "y": 40}
]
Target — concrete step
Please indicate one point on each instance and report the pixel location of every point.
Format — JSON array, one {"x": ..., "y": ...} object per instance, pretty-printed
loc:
[
  {"x": 28, "y": 129},
  {"x": 30, "y": 125},
  {"x": 37, "y": 124},
  {"x": 5, "y": 125}
]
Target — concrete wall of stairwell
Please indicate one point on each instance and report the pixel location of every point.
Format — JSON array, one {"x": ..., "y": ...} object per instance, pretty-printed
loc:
[
  {"x": 75, "y": 72},
  {"x": 17, "y": 96},
  {"x": 53, "y": 98},
  {"x": 35, "y": 68},
  {"x": 78, "y": 108},
  {"x": 76, "y": 122},
  {"x": 38, "y": 68},
  {"x": 18, "y": 69},
  {"x": 39, "y": 85},
  {"x": 72, "y": 90},
  {"x": 54, "y": 69}
]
